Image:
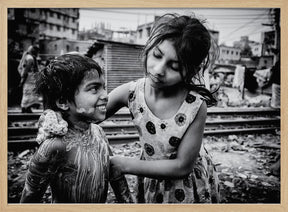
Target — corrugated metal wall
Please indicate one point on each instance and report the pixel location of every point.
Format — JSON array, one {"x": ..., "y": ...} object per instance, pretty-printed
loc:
[{"x": 123, "y": 64}]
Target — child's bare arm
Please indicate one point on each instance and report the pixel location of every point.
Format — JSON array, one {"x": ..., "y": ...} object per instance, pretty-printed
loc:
[
  {"x": 117, "y": 180},
  {"x": 39, "y": 171},
  {"x": 119, "y": 185},
  {"x": 177, "y": 168},
  {"x": 121, "y": 189},
  {"x": 118, "y": 98}
]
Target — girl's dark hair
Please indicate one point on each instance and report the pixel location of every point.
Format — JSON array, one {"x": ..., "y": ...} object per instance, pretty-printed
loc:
[
  {"x": 94, "y": 49},
  {"x": 60, "y": 79},
  {"x": 192, "y": 42}
]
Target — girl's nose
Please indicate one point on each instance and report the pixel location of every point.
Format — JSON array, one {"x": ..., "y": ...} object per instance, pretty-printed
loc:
[
  {"x": 159, "y": 68},
  {"x": 104, "y": 95}
]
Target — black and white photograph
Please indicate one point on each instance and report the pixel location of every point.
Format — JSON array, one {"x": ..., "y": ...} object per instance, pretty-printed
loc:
[{"x": 143, "y": 105}]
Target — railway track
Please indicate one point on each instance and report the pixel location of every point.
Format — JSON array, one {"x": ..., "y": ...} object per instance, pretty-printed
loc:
[
  {"x": 123, "y": 115},
  {"x": 22, "y": 128}
]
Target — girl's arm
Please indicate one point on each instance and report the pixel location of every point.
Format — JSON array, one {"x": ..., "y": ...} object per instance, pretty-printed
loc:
[
  {"x": 117, "y": 180},
  {"x": 39, "y": 171},
  {"x": 119, "y": 184},
  {"x": 121, "y": 188},
  {"x": 177, "y": 168},
  {"x": 117, "y": 99}
]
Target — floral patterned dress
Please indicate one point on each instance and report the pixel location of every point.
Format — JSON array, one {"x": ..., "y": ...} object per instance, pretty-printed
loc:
[{"x": 160, "y": 139}]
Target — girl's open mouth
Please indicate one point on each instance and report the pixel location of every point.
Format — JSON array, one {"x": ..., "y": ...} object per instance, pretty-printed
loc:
[{"x": 101, "y": 107}]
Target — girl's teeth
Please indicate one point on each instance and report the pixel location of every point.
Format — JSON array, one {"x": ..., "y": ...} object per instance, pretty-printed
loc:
[{"x": 102, "y": 107}]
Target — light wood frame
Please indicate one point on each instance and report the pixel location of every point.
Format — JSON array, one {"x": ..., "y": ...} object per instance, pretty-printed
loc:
[{"x": 283, "y": 4}]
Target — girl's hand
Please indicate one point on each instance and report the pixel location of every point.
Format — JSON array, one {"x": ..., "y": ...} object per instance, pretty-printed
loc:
[{"x": 177, "y": 168}]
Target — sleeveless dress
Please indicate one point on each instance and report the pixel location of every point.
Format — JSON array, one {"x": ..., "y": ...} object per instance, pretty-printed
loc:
[{"x": 160, "y": 139}]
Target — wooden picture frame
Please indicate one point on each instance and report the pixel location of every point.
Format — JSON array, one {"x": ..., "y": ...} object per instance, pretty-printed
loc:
[{"x": 282, "y": 4}]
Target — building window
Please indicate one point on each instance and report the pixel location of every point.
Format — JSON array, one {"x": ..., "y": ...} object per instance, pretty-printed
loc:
[
  {"x": 51, "y": 14},
  {"x": 232, "y": 52},
  {"x": 55, "y": 47},
  {"x": 58, "y": 28},
  {"x": 73, "y": 20},
  {"x": 148, "y": 31},
  {"x": 227, "y": 51},
  {"x": 140, "y": 33},
  {"x": 58, "y": 16},
  {"x": 67, "y": 48},
  {"x": 77, "y": 48},
  {"x": 73, "y": 31},
  {"x": 51, "y": 26}
]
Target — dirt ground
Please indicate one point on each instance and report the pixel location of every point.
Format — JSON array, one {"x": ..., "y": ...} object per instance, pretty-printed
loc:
[{"x": 243, "y": 162}]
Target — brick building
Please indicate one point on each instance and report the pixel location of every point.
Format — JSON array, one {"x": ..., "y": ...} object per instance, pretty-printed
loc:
[{"x": 28, "y": 26}]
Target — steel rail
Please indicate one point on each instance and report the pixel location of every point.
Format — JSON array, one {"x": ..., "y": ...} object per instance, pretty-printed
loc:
[
  {"x": 128, "y": 138},
  {"x": 125, "y": 115},
  {"x": 18, "y": 132},
  {"x": 123, "y": 133}
]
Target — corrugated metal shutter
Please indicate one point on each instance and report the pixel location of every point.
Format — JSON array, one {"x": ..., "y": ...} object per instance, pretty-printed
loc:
[{"x": 123, "y": 64}]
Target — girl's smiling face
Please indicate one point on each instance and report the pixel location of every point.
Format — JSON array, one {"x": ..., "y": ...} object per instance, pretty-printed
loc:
[{"x": 90, "y": 100}]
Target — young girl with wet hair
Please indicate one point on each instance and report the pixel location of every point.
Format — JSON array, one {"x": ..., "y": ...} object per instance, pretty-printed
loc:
[
  {"x": 169, "y": 111},
  {"x": 73, "y": 156}
]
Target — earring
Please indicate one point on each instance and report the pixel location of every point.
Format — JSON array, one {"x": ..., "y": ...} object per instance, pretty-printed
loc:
[{"x": 62, "y": 105}]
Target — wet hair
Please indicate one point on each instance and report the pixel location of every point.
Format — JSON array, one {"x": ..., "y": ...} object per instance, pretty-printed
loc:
[
  {"x": 60, "y": 79},
  {"x": 94, "y": 49},
  {"x": 192, "y": 42}
]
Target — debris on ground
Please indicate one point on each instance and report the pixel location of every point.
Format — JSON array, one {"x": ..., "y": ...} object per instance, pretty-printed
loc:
[{"x": 247, "y": 166}]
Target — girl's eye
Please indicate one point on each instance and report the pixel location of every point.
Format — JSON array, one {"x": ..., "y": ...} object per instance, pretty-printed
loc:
[
  {"x": 97, "y": 88},
  {"x": 157, "y": 55},
  {"x": 94, "y": 89},
  {"x": 175, "y": 68}
]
